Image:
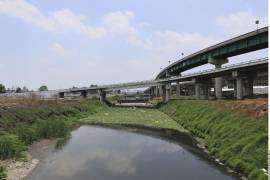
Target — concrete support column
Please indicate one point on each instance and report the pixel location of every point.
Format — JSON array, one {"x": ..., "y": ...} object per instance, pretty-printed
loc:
[
  {"x": 239, "y": 88},
  {"x": 197, "y": 91},
  {"x": 102, "y": 95},
  {"x": 156, "y": 91},
  {"x": 178, "y": 90},
  {"x": 248, "y": 87},
  {"x": 234, "y": 89},
  {"x": 160, "y": 90},
  {"x": 163, "y": 89},
  {"x": 218, "y": 87},
  {"x": 218, "y": 80},
  {"x": 168, "y": 92}
]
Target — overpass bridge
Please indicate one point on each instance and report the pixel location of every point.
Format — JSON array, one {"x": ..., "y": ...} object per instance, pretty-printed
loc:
[
  {"x": 218, "y": 54},
  {"x": 242, "y": 76},
  {"x": 201, "y": 80}
]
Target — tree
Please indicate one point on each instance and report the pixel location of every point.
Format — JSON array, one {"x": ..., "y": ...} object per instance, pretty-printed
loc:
[
  {"x": 43, "y": 88},
  {"x": 18, "y": 90},
  {"x": 25, "y": 89},
  {"x": 2, "y": 88}
]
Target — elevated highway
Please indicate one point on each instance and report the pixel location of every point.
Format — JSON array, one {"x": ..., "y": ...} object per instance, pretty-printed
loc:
[
  {"x": 242, "y": 76},
  {"x": 218, "y": 54},
  {"x": 257, "y": 68}
]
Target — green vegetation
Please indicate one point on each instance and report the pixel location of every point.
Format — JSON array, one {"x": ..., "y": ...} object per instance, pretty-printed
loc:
[
  {"x": 238, "y": 140},
  {"x": 43, "y": 88},
  {"x": 2, "y": 88},
  {"x": 114, "y": 98},
  {"x": 22, "y": 126},
  {"x": 2, "y": 173},
  {"x": 11, "y": 146},
  {"x": 18, "y": 90},
  {"x": 133, "y": 116}
]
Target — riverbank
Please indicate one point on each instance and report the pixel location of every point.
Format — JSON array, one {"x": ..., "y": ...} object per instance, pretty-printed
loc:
[
  {"x": 23, "y": 123},
  {"x": 234, "y": 136}
]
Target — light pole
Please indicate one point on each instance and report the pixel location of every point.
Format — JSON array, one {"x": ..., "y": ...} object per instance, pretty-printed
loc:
[{"x": 257, "y": 23}]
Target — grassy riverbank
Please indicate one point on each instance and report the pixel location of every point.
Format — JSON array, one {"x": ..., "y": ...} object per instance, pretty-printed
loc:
[
  {"x": 152, "y": 118},
  {"x": 23, "y": 123},
  {"x": 239, "y": 140}
]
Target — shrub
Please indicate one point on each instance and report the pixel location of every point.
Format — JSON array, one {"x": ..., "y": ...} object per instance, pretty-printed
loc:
[
  {"x": 52, "y": 129},
  {"x": 2, "y": 173},
  {"x": 26, "y": 134},
  {"x": 11, "y": 146}
]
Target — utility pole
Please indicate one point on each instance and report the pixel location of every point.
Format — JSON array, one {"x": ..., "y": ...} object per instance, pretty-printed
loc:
[{"x": 257, "y": 23}]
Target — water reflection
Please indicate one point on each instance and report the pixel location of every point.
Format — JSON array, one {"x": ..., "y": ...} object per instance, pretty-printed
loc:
[{"x": 100, "y": 153}]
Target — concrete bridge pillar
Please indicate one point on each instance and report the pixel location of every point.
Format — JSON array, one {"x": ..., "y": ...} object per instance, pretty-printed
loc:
[
  {"x": 248, "y": 86},
  {"x": 218, "y": 87},
  {"x": 218, "y": 80},
  {"x": 178, "y": 90},
  {"x": 197, "y": 91},
  {"x": 102, "y": 95},
  {"x": 166, "y": 92},
  {"x": 234, "y": 89},
  {"x": 163, "y": 89},
  {"x": 156, "y": 91},
  {"x": 160, "y": 90},
  {"x": 239, "y": 88},
  {"x": 61, "y": 95}
]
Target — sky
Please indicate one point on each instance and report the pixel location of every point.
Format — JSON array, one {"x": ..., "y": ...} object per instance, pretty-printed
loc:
[{"x": 68, "y": 43}]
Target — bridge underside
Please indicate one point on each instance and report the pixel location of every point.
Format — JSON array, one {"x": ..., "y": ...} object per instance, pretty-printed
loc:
[
  {"x": 249, "y": 42},
  {"x": 241, "y": 77}
]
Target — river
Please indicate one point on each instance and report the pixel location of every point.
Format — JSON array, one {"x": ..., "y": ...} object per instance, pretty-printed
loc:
[{"x": 97, "y": 153}]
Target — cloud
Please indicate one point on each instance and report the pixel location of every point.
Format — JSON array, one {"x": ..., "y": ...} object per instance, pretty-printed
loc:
[
  {"x": 240, "y": 22},
  {"x": 119, "y": 23},
  {"x": 59, "y": 21},
  {"x": 171, "y": 41},
  {"x": 60, "y": 50}
]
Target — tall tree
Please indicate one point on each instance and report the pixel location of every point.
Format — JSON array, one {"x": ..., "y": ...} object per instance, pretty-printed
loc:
[
  {"x": 43, "y": 88},
  {"x": 2, "y": 88},
  {"x": 18, "y": 90},
  {"x": 25, "y": 89}
]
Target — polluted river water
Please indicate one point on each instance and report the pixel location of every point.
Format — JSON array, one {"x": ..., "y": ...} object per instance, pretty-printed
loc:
[{"x": 99, "y": 153}]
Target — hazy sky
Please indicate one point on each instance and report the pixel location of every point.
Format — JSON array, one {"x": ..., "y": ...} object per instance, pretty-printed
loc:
[{"x": 65, "y": 43}]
